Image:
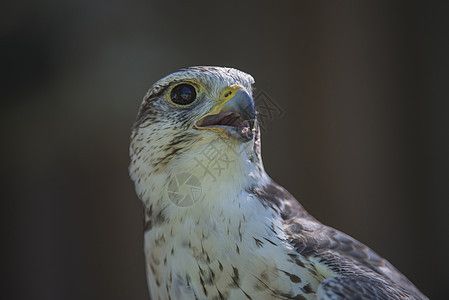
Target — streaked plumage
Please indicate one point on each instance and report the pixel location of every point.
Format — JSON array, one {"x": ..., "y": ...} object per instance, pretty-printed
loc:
[{"x": 244, "y": 236}]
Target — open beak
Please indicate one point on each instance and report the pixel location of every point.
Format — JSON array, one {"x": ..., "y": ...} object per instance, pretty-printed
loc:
[{"x": 234, "y": 116}]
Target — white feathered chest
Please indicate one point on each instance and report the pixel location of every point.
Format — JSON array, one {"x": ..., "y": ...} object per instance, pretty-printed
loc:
[{"x": 216, "y": 252}]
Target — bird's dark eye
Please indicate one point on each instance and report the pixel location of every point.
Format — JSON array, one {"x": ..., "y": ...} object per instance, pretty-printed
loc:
[{"x": 183, "y": 94}]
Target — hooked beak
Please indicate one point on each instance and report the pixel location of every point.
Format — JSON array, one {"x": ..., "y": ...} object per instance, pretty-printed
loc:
[{"x": 235, "y": 115}]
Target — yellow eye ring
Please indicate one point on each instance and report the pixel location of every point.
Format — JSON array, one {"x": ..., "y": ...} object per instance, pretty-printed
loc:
[{"x": 184, "y": 93}]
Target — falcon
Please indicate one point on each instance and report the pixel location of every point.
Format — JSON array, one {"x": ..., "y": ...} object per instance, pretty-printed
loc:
[{"x": 216, "y": 225}]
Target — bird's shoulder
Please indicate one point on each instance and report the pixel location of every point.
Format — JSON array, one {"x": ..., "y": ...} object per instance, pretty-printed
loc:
[{"x": 340, "y": 253}]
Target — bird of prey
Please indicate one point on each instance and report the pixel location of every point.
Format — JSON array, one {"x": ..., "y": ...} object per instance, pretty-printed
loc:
[{"x": 216, "y": 225}]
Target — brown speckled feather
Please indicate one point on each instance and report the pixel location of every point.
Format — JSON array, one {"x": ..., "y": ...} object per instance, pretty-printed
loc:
[{"x": 364, "y": 274}]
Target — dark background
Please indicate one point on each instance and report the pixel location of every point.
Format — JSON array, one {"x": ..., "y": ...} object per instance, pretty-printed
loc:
[{"x": 362, "y": 141}]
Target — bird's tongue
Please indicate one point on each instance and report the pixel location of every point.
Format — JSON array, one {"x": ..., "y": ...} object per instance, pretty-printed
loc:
[
  {"x": 224, "y": 119},
  {"x": 231, "y": 122}
]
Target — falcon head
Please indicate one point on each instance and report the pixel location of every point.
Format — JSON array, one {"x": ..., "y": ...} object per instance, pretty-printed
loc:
[
  {"x": 218, "y": 100},
  {"x": 187, "y": 112}
]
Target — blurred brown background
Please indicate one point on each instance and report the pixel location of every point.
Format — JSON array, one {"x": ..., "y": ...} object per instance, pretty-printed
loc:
[{"x": 362, "y": 141}]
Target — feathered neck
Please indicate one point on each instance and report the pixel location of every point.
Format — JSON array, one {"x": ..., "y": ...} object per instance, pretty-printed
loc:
[{"x": 218, "y": 166}]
